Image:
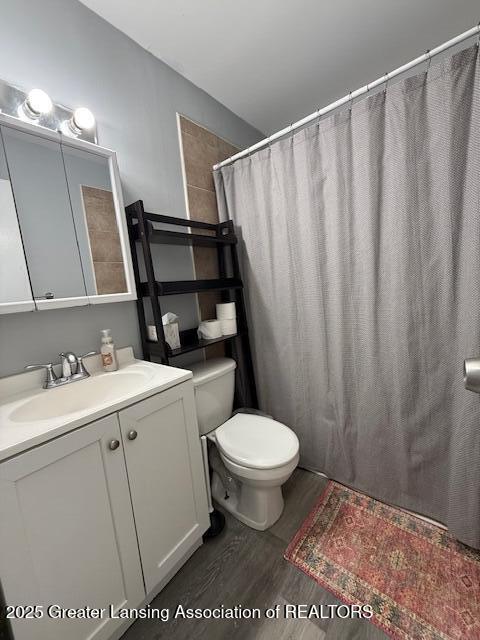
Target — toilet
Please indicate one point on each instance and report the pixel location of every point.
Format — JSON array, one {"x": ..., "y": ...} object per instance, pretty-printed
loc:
[{"x": 259, "y": 453}]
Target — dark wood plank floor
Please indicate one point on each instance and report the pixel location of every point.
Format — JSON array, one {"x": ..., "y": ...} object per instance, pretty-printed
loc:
[{"x": 246, "y": 567}]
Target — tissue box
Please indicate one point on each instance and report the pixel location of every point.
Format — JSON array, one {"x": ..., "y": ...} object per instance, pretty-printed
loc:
[
  {"x": 172, "y": 335},
  {"x": 171, "y": 332}
]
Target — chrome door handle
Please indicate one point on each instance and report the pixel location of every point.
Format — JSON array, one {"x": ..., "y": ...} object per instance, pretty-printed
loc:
[
  {"x": 113, "y": 444},
  {"x": 132, "y": 434}
]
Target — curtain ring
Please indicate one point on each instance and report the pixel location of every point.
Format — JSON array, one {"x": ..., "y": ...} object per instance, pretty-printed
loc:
[
  {"x": 291, "y": 132},
  {"x": 478, "y": 35},
  {"x": 350, "y": 102},
  {"x": 318, "y": 117},
  {"x": 427, "y": 53},
  {"x": 387, "y": 78},
  {"x": 269, "y": 144}
]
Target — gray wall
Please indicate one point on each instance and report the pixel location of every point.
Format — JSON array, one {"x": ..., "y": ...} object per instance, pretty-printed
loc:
[{"x": 79, "y": 59}]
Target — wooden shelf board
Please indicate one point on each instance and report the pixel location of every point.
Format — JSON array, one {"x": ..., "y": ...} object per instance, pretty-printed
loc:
[
  {"x": 179, "y": 287},
  {"x": 187, "y": 347},
  {"x": 162, "y": 236}
]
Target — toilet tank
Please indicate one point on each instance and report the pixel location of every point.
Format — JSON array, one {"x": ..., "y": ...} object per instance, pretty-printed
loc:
[{"x": 214, "y": 382}]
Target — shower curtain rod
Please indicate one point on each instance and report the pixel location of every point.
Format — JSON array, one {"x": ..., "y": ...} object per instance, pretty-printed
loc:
[{"x": 351, "y": 96}]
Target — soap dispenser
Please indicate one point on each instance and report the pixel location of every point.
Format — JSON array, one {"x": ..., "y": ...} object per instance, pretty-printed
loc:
[{"x": 107, "y": 350}]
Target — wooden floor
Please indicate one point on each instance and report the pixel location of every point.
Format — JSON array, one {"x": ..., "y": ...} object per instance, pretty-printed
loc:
[{"x": 243, "y": 566}]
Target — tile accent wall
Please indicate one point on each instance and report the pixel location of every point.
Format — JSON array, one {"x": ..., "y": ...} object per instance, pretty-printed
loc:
[
  {"x": 104, "y": 240},
  {"x": 201, "y": 150}
]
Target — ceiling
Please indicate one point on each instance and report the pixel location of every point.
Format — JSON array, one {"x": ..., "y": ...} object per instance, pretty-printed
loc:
[{"x": 275, "y": 61}]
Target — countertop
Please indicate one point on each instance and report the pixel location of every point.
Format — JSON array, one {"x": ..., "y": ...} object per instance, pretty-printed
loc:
[{"x": 17, "y": 435}]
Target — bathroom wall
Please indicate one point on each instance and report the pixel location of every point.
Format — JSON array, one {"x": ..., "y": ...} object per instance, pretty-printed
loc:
[
  {"x": 79, "y": 59},
  {"x": 201, "y": 149}
]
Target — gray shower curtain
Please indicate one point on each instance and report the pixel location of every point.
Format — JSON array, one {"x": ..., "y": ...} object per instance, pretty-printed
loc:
[{"x": 361, "y": 257}]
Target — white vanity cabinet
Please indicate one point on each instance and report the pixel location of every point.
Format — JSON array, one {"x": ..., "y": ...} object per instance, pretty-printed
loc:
[
  {"x": 67, "y": 534},
  {"x": 165, "y": 470},
  {"x": 102, "y": 515}
]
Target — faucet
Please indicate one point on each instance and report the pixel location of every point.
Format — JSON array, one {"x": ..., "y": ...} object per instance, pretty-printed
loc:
[
  {"x": 69, "y": 364},
  {"x": 73, "y": 369}
]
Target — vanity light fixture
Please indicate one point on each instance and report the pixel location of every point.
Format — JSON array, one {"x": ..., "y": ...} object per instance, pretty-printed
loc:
[
  {"x": 36, "y": 104},
  {"x": 81, "y": 120},
  {"x": 36, "y": 108}
]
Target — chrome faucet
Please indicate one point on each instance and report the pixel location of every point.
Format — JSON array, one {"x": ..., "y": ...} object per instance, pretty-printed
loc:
[
  {"x": 69, "y": 364},
  {"x": 73, "y": 369}
]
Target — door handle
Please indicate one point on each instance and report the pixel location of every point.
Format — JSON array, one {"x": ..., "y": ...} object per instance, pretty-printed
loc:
[
  {"x": 471, "y": 374},
  {"x": 132, "y": 434}
]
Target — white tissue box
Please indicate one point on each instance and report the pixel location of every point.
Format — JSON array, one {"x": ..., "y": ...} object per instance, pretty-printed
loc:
[
  {"x": 171, "y": 332},
  {"x": 172, "y": 335}
]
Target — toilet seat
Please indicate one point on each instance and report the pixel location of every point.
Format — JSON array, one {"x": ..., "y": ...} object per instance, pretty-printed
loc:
[{"x": 256, "y": 442}]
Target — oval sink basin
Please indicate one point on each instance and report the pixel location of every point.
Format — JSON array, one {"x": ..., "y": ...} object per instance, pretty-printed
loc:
[{"x": 79, "y": 396}]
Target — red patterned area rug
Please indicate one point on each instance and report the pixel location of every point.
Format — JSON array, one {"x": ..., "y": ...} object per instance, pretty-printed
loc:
[{"x": 422, "y": 584}]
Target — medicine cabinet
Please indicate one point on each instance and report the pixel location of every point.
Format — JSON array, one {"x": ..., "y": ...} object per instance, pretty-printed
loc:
[{"x": 63, "y": 237}]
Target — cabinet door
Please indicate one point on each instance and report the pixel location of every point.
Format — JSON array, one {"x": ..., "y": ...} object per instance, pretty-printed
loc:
[
  {"x": 167, "y": 482},
  {"x": 67, "y": 534},
  {"x": 44, "y": 212},
  {"x": 15, "y": 290}
]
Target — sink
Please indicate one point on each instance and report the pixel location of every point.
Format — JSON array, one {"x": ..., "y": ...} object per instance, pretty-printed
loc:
[
  {"x": 30, "y": 415},
  {"x": 80, "y": 396}
]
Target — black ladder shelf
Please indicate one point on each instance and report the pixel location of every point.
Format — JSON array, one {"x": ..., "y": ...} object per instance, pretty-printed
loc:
[{"x": 218, "y": 236}]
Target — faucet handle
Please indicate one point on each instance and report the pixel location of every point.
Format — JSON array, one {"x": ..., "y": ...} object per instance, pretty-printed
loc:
[
  {"x": 81, "y": 371},
  {"x": 51, "y": 377},
  {"x": 90, "y": 353}
]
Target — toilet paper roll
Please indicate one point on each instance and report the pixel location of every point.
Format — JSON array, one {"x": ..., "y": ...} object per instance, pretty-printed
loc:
[
  {"x": 226, "y": 311},
  {"x": 229, "y": 326},
  {"x": 209, "y": 329}
]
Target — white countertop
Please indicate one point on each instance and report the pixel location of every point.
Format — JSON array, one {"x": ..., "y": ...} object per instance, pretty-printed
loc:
[{"x": 18, "y": 434}]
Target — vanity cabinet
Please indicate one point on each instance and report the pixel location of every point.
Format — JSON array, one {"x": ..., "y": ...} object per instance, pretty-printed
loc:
[
  {"x": 67, "y": 532},
  {"x": 102, "y": 516},
  {"x": 164, "y": 463}
]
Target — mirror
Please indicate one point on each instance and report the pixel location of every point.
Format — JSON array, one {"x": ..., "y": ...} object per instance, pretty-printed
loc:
[
  {"x": 91, "y": 197},
  {"x": 46, "y": 222},
  {"x": 15, "y": 291},
  {"x": 63, "y": 220}
]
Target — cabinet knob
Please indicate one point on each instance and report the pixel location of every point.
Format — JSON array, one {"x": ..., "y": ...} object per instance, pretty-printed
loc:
[
  {"x": 131, "y": 435},
  {"x": 113, "y": 444}
]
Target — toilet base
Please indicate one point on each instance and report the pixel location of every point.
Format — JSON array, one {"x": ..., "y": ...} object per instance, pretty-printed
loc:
[{"x": 257, "y": 507}]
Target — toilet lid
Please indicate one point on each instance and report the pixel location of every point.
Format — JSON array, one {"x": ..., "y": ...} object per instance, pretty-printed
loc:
[{"x": 256, "y": 441}]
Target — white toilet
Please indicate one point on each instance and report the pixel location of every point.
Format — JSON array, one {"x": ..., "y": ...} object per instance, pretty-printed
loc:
[{"x": 259, "y": 453}]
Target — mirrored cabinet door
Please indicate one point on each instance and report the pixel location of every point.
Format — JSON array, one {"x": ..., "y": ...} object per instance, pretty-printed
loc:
[
  {"x": 44, "y": 212},
  {"x": 63, "y": 232},
  {"x": 15, "y": 290},
  {"x": 95, "y": 217}
]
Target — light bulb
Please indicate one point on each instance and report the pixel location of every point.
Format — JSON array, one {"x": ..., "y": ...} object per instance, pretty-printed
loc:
[
  {"x": 38, "y": 103},
  {"x": 83, "y": 118}
]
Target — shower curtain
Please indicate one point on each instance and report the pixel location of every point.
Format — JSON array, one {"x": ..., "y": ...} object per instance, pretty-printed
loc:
[{"x": 361, "y": 259}]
